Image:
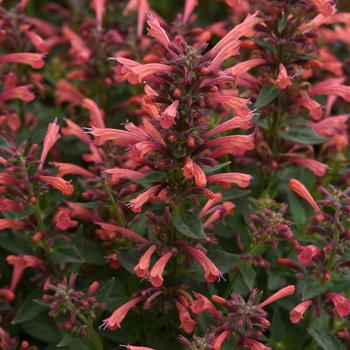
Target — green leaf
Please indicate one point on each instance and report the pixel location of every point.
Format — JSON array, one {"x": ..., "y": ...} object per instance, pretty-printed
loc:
[
  {"x": 42, "y": 328},
  {"x": 67, "y": 252},
  {"x": 264, "y": 45},
  {"x": 312, "y": 288},
  {"x": 282, "y": 24},
  {"x": 129, "y": 258},
  {"x": 223, "y": 260},
  {"x": 29, "y": 308},
  {"x": 267, "y": 94},
  {"x": 211, "y": 170},
  {"x": 320, "y": 332},
  {"x": 248, "y": 274},
  {"x": 150, "y": 178},
  {"x": 303, "y": 135},
  {"x": 189, "y": 225},
  {"x": 66, "y": 340},
  {"x": 296, "y": 207}
]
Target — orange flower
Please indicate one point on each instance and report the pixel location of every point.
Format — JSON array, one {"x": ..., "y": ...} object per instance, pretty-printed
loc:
[
  {"x": 51, "y": 137},
  {"x": 141, "y": 269},
  {"x": 297, "y": 187},
  {"x": 35, "y": 60},
  {"x": 296, "y": 314},
  {"x": 192, "y": 169},
  {"x": 156, "y": 274},
  {"x": 58, "y": 183},
  {"x": 114, "y": 321},
  {"x": 282, "y": 293}
]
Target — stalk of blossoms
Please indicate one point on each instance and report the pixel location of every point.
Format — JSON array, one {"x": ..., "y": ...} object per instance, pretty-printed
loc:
[{"x": 175, "y": 140}]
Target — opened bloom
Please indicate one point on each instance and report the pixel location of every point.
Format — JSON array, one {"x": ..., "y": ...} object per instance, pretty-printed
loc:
[
  {"x": 296, "y": 314},
  {"x": 114, "y": 321}
]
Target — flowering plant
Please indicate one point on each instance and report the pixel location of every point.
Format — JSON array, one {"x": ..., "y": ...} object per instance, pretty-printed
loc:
[{"x": 174, "y": 175}]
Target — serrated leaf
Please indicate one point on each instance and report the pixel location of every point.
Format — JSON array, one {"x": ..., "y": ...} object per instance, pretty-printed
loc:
[
  {"x": 267, "y": 94},
  {"x": 303, "y": 135},
  {"x": 189, "y": 225},
  {"x": 248, "y": 273},
  {"x": 30, "y": 308}
]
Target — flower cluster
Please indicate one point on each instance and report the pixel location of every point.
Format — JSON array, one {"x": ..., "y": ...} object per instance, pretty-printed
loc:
[{"x": 164, "y": 165}]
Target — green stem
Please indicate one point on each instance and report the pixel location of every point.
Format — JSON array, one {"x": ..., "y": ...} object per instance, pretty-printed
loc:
[
  {"x": 92, "y": 334},
  {"x": 115, "y": 207},
  {"x": 43, "y": 243},
  {"x": 230, "y": 286}
]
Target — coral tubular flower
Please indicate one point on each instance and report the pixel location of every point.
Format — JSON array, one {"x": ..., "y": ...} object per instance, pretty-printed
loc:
[
  {"x": 307, "y": 253},
  {"x": 141, "y": 269},
  {"x": 314, "y": 108},
  {"x": 156, "y": 31},
  {"x": 189, "y": 7},
  {"x": 283, "y": 79},
  {"x": 167, "y": 118},
  {"x": 211, "y": 272},
  {"x": 20, "y": 263},
  {"x": 100, "y": 7},
  {"x": 66, "y": 92},
  {"x": 193, "y": 170},
  {"x": 211, "y": 202},
  {"x": 332, "y": 87},
  {"x": 69, "y": 168},
  {"x": 242, "y": 180},
  {"x": 231, "y": 49},
  {"x": 119, "y": 137},
  {"x": 78, "y": 48},
  {"x": 325, "y": 7},
  {"x": 243, "y": 29},
  {"x": 80, "y": 212},
  {"x": 297, "y": 313},
  {"x": 342, "y": 304},
  {"x": 11, "y": 223},
  {"x": 236, "y": 145},
  {"x": 59, "y": 184},
  {"x": 256, "y": 345},
  {"x": 187, "y": 323},
  {"x": 114, "y": 321},
  {"x": 51, "y": 137},
  {"x": 282, "y": 293},
  {"x": 19, "y": 92},
  {"x": 123, "y": 231},
  {"x": 243, "y": 67},
  {"x": 137, "y": 203},
  {"x": 318, "y": 168},
  {"x": 220, "y": 339},
  {"x": 96, "y": 115},
  {"x": 119, "y": 173},
  {"x": 202, "y": 303},
  {"x": 35, "y": 60},
  {"x": 144, "y": 70},
  {"x": 233, "y": 123},
  {"x": 297, "y": 187},
  {"x": 156, "y": 274}
]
